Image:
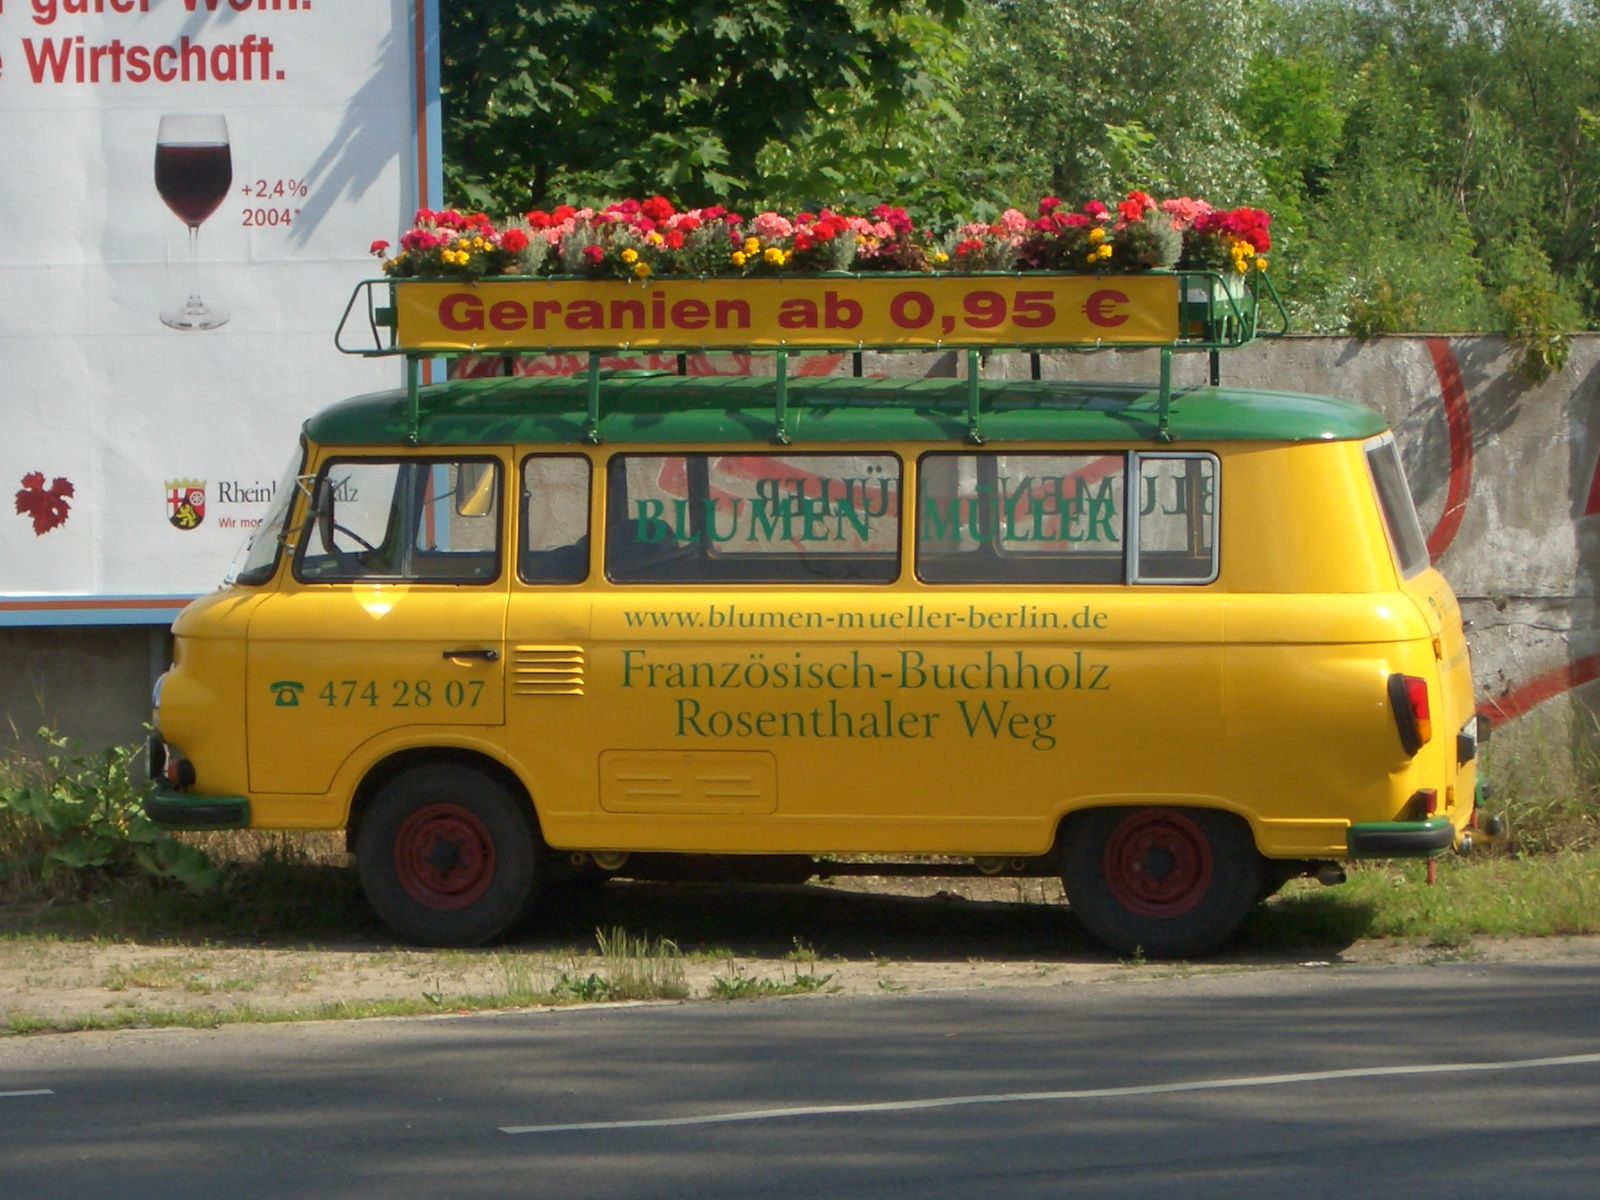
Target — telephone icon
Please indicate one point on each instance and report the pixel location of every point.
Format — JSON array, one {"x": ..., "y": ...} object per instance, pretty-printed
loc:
[{"x": 286, "y": 693}]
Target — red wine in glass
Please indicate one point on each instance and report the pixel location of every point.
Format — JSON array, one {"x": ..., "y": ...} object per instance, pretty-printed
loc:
[
  {"x": 193, "y": 180},
  {"x": 194, "y": 170}
]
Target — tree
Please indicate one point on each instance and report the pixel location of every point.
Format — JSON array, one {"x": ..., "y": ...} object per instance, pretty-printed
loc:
[
  {"x": 571, "y": 99},
  {"x": 1089, "y": 101}
]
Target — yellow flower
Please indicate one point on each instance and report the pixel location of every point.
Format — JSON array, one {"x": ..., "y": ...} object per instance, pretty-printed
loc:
[
  {"x": 752, "y": 245},
  {"x": 737, "y": 258},
  {"x": 941, "y": 257},
  {"x": 1261, "y": 264},
  {"x": 654, "y": 238},
  {"x": 1096, "y": 236},
  {"x": 641, "y": 270},
  {"x": 630, "y": 255},
  {"x": 1240, "y": 265},
  {"x": 774, "y": 256},
  {"x": 1103, "y": 252}
]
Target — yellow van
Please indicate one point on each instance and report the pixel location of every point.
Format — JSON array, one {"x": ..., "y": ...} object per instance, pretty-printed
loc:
[{"x": 1176, "y": 645}]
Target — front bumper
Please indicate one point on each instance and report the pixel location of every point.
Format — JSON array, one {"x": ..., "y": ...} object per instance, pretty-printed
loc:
[
  {"x": 1400, "y": 839},
  {"x": 179, "y": 810}
]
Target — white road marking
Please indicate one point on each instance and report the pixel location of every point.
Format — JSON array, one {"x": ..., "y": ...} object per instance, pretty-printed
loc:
[
  {"x": 34, "y": 1092},
  {"x": 1154, "y": 1089}
]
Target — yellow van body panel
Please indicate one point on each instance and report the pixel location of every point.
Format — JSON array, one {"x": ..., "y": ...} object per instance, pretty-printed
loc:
[{"x": 840, "y": 718}]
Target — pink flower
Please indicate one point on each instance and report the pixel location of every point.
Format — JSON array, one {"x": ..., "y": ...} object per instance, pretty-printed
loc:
[
  {"x": 1184, "y": 211},
  {"x": 771, "y": 227},
  {"x": 1013, "y": 222}
]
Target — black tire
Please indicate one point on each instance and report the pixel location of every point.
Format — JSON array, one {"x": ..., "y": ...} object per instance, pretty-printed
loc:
[
  {"x": 1162, "y": 882},
  {"x": 448, "y": 856}
]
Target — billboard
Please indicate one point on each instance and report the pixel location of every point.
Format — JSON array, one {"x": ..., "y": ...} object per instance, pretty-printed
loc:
[{"x": 192, "y": 186}]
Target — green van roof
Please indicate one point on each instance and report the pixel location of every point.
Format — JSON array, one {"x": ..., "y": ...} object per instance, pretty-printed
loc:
[{"x": 694, "y": 410}]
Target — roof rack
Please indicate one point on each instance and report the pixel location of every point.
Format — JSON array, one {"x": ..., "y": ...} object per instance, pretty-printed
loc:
[{"x": 1171, "y": 311}]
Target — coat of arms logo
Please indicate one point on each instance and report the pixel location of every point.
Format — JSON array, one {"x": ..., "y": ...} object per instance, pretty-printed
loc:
[{"x": 186, "y": 503}]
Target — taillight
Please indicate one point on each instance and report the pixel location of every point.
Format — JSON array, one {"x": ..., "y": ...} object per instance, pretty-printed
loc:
[{"x": 1408, "y": 696}]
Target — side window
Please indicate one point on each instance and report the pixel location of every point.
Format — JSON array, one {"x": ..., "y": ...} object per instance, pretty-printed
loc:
[
  {"x": 404, "y": 520},
  {"x": 756, "y": 518},
  {"x": 1020, "y": 518},
  {"x": 554, "y": 539},
  {"x": 1066, "y": 518},
  {"x": 1399, "y": 512},
  {"x": 1176, "y": 518}
]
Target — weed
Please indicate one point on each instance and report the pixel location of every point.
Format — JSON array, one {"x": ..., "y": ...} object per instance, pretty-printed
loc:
[
  {"x": 740, "y": 986},
  {"x": 72, "y": 822},
  {"x": 589, "y": 989}
]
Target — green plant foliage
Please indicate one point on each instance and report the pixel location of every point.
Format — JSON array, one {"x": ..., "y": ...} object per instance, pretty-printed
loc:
[
  {"x": 1535, "y": 311},
  {"x": 74, "y": 821},
  {"x": 548, "y": 102}
]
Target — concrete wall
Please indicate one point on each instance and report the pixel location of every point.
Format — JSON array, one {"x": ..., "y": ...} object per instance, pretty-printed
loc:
[{"x": 1504, "y": 475}]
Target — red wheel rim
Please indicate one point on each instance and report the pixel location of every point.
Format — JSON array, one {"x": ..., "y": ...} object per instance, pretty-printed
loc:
[
  {"x": 1158, "y": 864},
  {"x": 444, "y": 857}
]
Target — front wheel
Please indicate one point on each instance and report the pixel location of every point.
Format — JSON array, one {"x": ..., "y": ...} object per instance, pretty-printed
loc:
[
  {"x": 1165, "y": 882},
  {"x": 448, "y": 857}
]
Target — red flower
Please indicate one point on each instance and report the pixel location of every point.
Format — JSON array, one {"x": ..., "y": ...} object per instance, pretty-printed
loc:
[
  {"x": 674, "y": 240},
  {"x": 657, "y": 208},
  {"x": 1135, "y": 206},
  {"x": 1048, "y": 205},
  {"x": 514, "y": 240},
  {"x": 378, "y": 248},
  {"x": 688, "y": 224},
  {"x": 563, "y": 212},
  {"x": 1097, "y": 210},
  {"x": 803, "y": 241},
  {"x": 539, "y": 219},
  {"x": 595, "y": 254},
  {"x": 715, "y": 212}
]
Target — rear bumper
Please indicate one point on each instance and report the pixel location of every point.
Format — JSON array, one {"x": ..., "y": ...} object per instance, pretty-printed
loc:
[
  {"x": 179, "y": 810},
  {"x": 1400, "y": 839}
]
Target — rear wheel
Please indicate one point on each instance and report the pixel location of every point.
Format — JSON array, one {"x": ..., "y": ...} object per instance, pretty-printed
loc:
[
  {"x": 448, "y": 857},
  {"x": 1166, "y": 882}
]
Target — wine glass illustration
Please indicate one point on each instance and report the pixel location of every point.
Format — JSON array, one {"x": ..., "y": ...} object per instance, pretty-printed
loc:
[{"x": 194, "y": 170}]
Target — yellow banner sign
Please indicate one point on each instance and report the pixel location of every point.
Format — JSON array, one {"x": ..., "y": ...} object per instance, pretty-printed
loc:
[{"x": 848, "y": 312}]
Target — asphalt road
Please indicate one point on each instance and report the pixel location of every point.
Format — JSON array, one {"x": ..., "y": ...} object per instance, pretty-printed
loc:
[{"x": 1455, "y": 1080}]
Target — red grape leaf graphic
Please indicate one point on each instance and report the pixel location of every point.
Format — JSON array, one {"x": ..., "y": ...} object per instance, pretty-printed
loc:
[{"x": 47, "y": 507}]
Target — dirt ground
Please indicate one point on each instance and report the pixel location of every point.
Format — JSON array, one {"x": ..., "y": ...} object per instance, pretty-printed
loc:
[{"x": 855, "y": 936}]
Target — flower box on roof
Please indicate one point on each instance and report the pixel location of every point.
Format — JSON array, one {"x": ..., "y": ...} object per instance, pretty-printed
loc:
[{"x": 647, "y": 276}]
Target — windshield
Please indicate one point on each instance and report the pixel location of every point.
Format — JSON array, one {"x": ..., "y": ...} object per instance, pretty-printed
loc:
[{"x": 258, "y": 557}]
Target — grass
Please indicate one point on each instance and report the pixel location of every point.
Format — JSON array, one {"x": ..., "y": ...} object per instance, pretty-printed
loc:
[
  {"x": 297, "y": 889},
  {"x": 1494, "y": 896}
]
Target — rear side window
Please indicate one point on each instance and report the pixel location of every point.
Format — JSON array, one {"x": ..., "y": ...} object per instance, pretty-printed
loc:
[
  {"x": 1067, "y": 518},
  {"x": 417, "y": 520},
  {"x": 753, "y": 518},
  {"x": 1399, "y": 513}
]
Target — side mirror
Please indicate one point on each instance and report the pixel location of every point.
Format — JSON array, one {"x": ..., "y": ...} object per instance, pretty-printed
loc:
[
  {"x": 322, "y": 512},
  {"x": 475, "y": 489}
]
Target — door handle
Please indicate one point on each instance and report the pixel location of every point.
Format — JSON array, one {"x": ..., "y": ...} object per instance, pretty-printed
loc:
[{"x": 484, "y": 655}]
